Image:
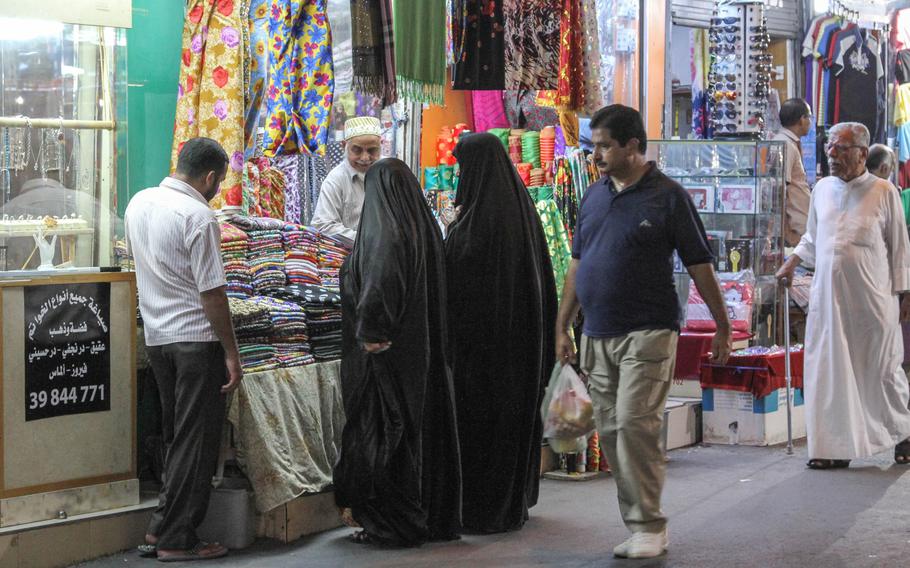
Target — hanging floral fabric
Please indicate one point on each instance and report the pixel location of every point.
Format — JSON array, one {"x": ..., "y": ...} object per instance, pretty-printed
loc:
[
  {"x": 532, "y": 43},
  {"x": 479, "y": 45},
  {"x": 420, "y": 58},
  {"x": 374, "y": 49},
  {"x": 210, "y": 95},
  {"x": 288, "y": 165},
  {"x": 251, "y": 187},
  {"x": 571, "y": 85},
  {"x": 258, "y": 61},
  {"x": 698, "y": 45},
  {"x": 301, "y": 78},
  {"x": 605, "y": 15}
]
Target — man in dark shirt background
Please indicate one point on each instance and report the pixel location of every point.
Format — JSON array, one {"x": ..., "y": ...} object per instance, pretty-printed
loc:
[{"x": 621, "y": 274}]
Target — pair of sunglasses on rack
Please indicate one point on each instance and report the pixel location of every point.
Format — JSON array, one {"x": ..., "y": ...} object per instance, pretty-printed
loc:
[
  {"x": 724, "y": 29},
  {"x": 721, "y": 114},
  {"x": 724, "y": 50},
  {"x": 712, "y": 77},
  {"x": 761, "y": 57},
  {"x": 725, "y": 21},
  {"x": 719, "y": 38},
  {"x": 729, "y": 95},
  {"x": 726, "y": 128}
]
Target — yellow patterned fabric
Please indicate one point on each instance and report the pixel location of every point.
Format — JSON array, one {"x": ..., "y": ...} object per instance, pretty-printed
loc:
[
  {"x": 287, "y": 429},
  {"x": 210, "y": 99}
]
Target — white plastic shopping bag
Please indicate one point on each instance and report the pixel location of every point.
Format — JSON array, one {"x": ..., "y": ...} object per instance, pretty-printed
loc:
[{"x": 567, "y": 411}]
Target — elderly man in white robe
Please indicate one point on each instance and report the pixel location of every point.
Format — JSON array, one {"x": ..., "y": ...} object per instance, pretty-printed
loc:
[{"x": 855, "y": 390}]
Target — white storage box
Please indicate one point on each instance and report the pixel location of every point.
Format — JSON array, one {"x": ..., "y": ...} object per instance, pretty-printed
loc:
[
  {"x": 733, "y": 417},
  {"x": 682, "y": 423}
]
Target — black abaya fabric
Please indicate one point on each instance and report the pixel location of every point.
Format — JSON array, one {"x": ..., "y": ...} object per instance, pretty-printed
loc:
[
  {"x": 399, "y": 465},
  {"x": 502, "y": 313}
]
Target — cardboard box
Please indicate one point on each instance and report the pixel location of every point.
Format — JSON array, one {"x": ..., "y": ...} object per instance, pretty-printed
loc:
[{"x": 733, "y": 417}]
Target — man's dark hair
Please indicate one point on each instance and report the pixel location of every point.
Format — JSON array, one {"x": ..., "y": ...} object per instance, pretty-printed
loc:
[
  {"x": 199, "y": 156},
  {"x": 792, "y": 111},
  {"x": 878, "y": 155},
  {"x": 624, "y": 124}
]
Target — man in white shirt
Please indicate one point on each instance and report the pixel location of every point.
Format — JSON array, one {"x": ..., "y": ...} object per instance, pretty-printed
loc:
[
  {"x": 856, "y": 392},
  {"x": 176, "y": 244},
  {"x": 795, "y": 120},
  {"x": 341, "y": 197}
]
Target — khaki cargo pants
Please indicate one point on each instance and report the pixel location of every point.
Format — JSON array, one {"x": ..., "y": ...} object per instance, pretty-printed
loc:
[{"x": 628, "y": 378}]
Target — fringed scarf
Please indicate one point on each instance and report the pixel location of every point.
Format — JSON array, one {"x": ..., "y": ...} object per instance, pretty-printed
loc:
[
  {"x": 374, "y": 49},
  {"x": 420, "y": 52}
]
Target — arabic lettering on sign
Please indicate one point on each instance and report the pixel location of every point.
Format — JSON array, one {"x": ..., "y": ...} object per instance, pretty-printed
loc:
[{"x": 67, "y": 349}]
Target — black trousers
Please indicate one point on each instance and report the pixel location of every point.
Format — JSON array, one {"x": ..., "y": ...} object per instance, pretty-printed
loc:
[{"x": 189, "y": 377}]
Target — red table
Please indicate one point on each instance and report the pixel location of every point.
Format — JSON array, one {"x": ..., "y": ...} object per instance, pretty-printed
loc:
[
  {"x": 758, "y": 374},
  {"x": 692, "y": 347}
]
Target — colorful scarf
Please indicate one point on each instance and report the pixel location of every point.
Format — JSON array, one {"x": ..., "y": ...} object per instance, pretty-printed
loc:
[
  {"x": 593, "y": 94},
  {"x": 301, "y": 78},
  {"x": 489, "y": 110},
  {"x": 420, "y": 52},
  {"x": 479, "y": 45},
  {"x": 532, "y": 43},
  {"x": 258, "y": 25},
  {"x": 374, "y": 49},
  {"x": 210, "y": 95},
  {"x": 571, "y": 84}
]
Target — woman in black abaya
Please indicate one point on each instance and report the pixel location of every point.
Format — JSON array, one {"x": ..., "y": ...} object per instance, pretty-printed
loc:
[
  {"x": 502, "y": 313},
  {"x": 399, "y": 467}
]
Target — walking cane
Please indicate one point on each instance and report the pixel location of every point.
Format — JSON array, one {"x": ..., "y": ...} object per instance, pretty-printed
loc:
[{"x": 786, "y": 286}]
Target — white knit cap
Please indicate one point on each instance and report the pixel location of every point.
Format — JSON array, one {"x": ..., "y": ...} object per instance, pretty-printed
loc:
[{"x": 362, "y": 126}]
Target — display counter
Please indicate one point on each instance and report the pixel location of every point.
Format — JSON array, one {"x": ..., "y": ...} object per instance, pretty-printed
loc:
[
  {"x": 68, "y": 401},
  {"x": 287, "y": 430}
]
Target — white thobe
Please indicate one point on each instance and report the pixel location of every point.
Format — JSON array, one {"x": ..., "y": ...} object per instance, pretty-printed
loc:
[
  {"x": 855, "y": 390},
  {"x": 340, "y": 202}
]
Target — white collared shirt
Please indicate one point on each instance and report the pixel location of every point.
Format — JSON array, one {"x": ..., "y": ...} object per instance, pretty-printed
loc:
[
  {"x": 340, "y": 202},
  {"x": 175, "y": 241}
]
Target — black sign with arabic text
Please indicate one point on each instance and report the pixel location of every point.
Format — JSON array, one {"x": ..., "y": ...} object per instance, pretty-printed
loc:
[{"x": 67, "y": 349}]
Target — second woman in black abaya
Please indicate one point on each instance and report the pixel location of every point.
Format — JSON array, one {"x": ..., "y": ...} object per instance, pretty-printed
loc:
[
  {"x": 398, "y": 470},
  {"x": 502, "y": 312}
]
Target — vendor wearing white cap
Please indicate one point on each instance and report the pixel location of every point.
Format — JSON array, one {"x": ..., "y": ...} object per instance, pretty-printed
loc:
[{"x": 341, "y": 199}]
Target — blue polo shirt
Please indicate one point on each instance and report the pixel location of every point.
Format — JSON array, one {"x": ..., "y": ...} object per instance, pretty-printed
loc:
[{"x": 624, "y": 241}]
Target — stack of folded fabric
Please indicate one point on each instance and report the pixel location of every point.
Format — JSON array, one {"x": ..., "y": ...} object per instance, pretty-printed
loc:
[
  {"x": 266, "y": 257},
  {"x": 289, "y": 331},
  {"x": 332, "y": 253},
  {"x": 301, "y": 255},
  {"x": 234, "y": 245},
  {"x": 252, "y": 325},
  {"x": 265, "y": 253},
  {"x": 323, "y": 312}
]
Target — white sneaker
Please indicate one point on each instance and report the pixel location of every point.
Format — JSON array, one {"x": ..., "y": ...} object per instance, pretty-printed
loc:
[{"x": 643, "y": 545}]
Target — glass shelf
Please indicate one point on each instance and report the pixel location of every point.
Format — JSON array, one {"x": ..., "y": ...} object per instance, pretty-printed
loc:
[{"x": 754, "y": 226}]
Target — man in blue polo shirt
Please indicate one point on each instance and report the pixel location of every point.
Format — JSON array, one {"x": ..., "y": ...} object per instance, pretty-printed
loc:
[{"x": 621, "y": 275}]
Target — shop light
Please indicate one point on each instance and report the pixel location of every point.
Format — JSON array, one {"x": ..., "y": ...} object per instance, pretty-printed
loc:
[
  {"x": 820, "y": 6},
  {"x": 21, "y": 29}
]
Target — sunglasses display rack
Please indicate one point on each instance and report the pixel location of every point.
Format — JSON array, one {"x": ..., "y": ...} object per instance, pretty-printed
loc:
[{"x": 739, "y": 77}]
